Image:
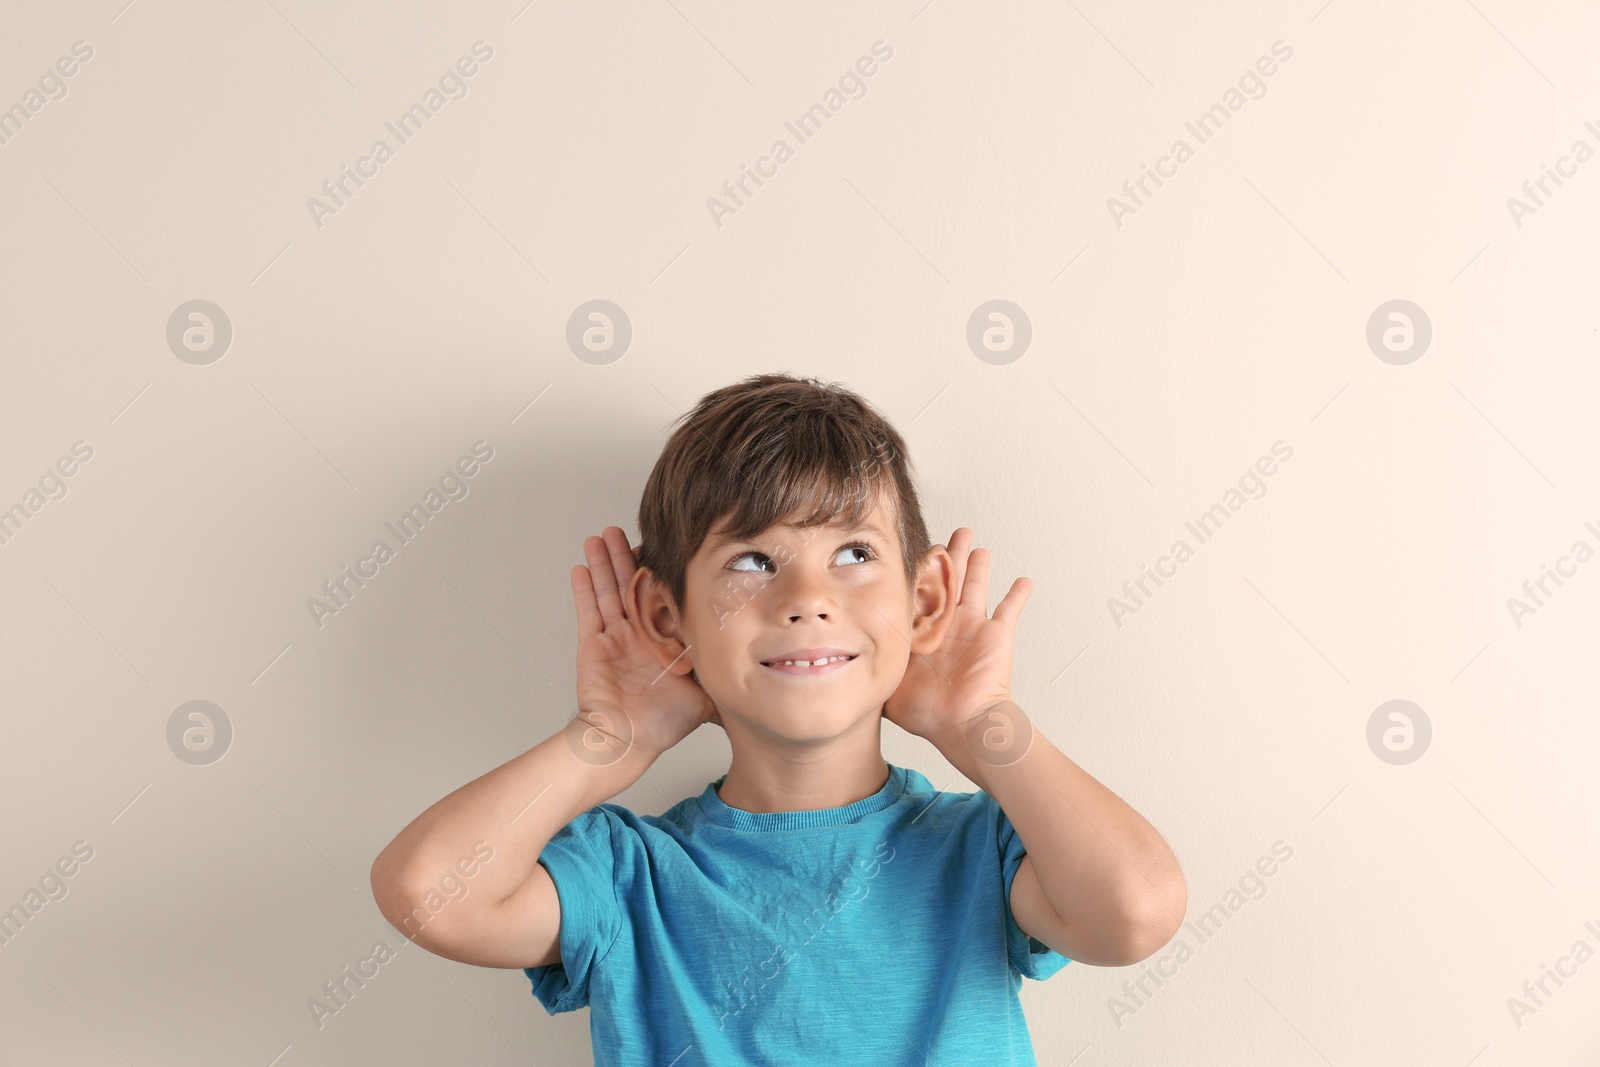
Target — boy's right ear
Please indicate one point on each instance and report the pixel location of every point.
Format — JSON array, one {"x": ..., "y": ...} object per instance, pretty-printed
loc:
[{"x": 649, "y": 607}]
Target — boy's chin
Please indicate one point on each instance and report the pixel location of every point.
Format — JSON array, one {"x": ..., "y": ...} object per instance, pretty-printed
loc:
[{"x": 796, "y": 721}]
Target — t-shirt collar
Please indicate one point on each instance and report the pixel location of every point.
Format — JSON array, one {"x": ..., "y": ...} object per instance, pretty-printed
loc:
[{"x": 713, "y": 807}]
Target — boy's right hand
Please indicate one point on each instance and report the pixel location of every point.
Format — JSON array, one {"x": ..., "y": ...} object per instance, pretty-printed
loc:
[{"x": 626, "y": 698}]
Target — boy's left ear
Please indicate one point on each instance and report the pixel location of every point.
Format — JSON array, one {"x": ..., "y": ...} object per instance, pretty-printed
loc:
[{"x": 933, "y": 600}]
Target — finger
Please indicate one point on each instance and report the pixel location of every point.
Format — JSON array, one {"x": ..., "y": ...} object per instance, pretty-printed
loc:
[
  {"x": 1010, "y": 607},
  {"x": 604, "y": 580},
  {"x": 623, "y": 560},
  {"x": 589, "y": 623},
  {"x": 976, "y": 591},
  {"x": 960, "y": 543}
]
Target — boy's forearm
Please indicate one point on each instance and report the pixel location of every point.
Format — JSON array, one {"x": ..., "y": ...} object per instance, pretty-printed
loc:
[
  {"x": 1095, "y": 856},
  {"x": 515, "y": 809}
]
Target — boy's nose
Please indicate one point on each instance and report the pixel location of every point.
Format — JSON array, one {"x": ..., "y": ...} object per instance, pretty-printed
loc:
[{"x": 807, "y": 597}]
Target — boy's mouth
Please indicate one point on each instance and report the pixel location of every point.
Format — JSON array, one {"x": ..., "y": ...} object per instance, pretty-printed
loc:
[{"x": 802, "y": 666}]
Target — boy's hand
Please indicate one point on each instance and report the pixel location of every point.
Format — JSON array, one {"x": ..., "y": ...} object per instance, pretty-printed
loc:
[
  {"x": 625, "y": 697},
  {"x": 949, "y": 687}
]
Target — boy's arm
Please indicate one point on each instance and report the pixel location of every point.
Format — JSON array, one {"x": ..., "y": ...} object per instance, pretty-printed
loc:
[
  {"x": 1098, "y": 884},
  {"x": 509, "y": 915}
]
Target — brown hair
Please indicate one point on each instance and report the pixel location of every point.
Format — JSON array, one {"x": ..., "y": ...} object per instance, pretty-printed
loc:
[{"x": 763, "y": 449}]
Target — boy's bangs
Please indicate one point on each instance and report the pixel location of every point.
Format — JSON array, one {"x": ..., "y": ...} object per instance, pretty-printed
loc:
[{"x": 814, "y": 495}]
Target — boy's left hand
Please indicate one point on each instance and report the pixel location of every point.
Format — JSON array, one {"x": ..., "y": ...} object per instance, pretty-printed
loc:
[{"x": 949, "y": 686}]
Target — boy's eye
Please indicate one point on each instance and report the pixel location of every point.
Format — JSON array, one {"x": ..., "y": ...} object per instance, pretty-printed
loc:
[
  {"x": 865, "y": 550},
  {"x": 861, "y": 547}
]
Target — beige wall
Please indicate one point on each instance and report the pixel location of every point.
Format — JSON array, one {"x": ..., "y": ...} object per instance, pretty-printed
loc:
[{"x": 1171, "y": 348}]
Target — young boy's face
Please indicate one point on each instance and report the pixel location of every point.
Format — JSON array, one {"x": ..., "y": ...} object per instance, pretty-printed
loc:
[{"x": 751, "y": 604}]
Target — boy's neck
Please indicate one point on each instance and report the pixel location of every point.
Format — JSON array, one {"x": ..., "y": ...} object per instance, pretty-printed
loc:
[{"x": 767, "y": 781}]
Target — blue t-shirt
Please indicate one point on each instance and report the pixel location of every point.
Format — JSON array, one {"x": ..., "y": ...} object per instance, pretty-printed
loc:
[{"x": 875, "y": 933}]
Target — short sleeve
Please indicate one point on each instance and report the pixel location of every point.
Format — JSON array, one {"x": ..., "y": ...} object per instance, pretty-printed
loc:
[
  {"x": 582, "y": 863},
  {"x": 1030, "y": 958}
]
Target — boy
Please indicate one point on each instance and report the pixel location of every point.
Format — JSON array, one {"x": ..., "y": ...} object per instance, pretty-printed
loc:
[{"x": 816, "y": 904}]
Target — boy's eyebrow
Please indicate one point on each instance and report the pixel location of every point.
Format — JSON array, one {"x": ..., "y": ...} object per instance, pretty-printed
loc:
[{"x": 724, "y": 539}]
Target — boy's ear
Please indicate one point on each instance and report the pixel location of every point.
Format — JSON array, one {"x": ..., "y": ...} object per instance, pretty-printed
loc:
[
  {"x": 933, "y": 600},
  {"x": 655, "y": 618}
]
